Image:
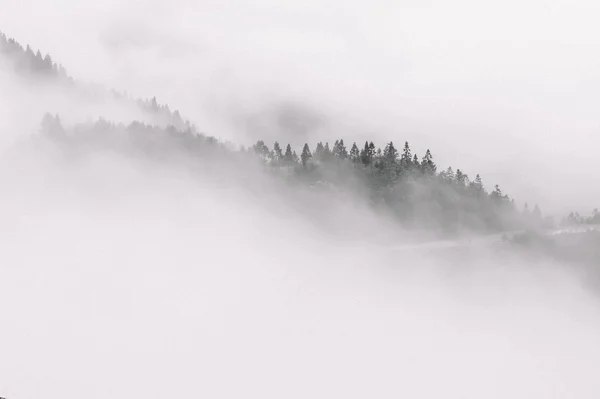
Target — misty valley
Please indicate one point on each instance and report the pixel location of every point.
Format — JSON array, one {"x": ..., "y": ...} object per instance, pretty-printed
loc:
[{"x": 145, "y": 257}]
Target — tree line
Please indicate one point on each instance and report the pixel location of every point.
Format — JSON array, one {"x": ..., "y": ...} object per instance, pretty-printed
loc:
[
  {"x": 25, "y": 62},
  {"x": 410, "y": 187}
]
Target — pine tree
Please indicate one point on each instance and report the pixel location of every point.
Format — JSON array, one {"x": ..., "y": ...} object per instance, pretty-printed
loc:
[
  {"x": 367, "y": 155},
  {"x": 428, "y": 167},
  {"x": 416, "y": 163},
  {"x": 406, "y": 158},
  {"x": 339, "y": 150},
  {"x": 48, "y": 64},
  {"x": 354, "y": 154},
  {"x": 262, "y": 150},
  {"x": 38, "y": 62},
  {"x": 306, "y": 155},
  {"x": 449, "y": 174},
  {"x": 477, "y": 185},
  {"x": 289, "y": 155},
  {"x": 277, "y": 153},
  {"x": 497, "y": 193},
  {"x": 461, "y": 178},
  {"x": 390, "y": 154},
  {"x": 327, "y": 153},
  {"x": 319, "y": 150}
]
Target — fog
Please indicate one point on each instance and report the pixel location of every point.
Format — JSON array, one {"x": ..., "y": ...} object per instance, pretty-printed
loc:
[
  {"x": 505, "y": 90},
  {"x": 127, "y": 276}
]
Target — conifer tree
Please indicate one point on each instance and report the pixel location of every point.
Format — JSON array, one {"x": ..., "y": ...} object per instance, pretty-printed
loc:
[
  {"x": 289, "y": 155},
  {"x": 367, "y": 155},
  {"x": 461, "y": 178},
  {"x": 428, "y": 167},
  {"x": 477, "y": 185},
  {"x": 262, "y": 150},
  {"x": 277, "y": 153},
  {"x": 339, "y": 149},
  {"x": 416, "y": 163},
  {"x": 390, "y": 154},
  {"x": 497, "y": 193},
  {"x": 306, "y": 155},
  {"x": 406, "y": 158},
  {"x": 449, "y": 174},
  {"x": 327, "y": 153},
  {"x": 319, "y": 150},
  {"x": 354, "y": 154}
]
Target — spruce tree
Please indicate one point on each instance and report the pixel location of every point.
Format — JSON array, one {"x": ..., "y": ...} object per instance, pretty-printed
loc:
[
  {"x": 289, "y": 155},
  {"x": 416, "y": 163},
  {"x": 354, "y": 154},
  {"x": 306, "y": 155},
  {"x": 327, "y": 153},
  {"x": 461, "y": 178},
  {"x": 339, "y": 150},
  {"x": 406, "y": 158},
  {"x": 449, "y": 174},
  {"x": 477, "y": 185},
  {"x": 277, "y": 153},
  {"x": 390, "y": 154},
  {"x": 428, "y": 167}
]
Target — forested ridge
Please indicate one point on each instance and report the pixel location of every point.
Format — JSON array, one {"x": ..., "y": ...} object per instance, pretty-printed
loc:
[
  {"x": 32, "y": 65},
  {"x": 409, "y": 186}
]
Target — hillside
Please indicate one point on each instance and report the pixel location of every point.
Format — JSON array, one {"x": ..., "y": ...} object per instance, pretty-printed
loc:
[{"x": 410, "y": 189}]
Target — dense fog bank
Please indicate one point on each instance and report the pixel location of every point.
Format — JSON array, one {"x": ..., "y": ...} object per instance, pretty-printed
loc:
[
  {"x": 125, "y": 276},
  {"x": 150, "y": 253}
]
